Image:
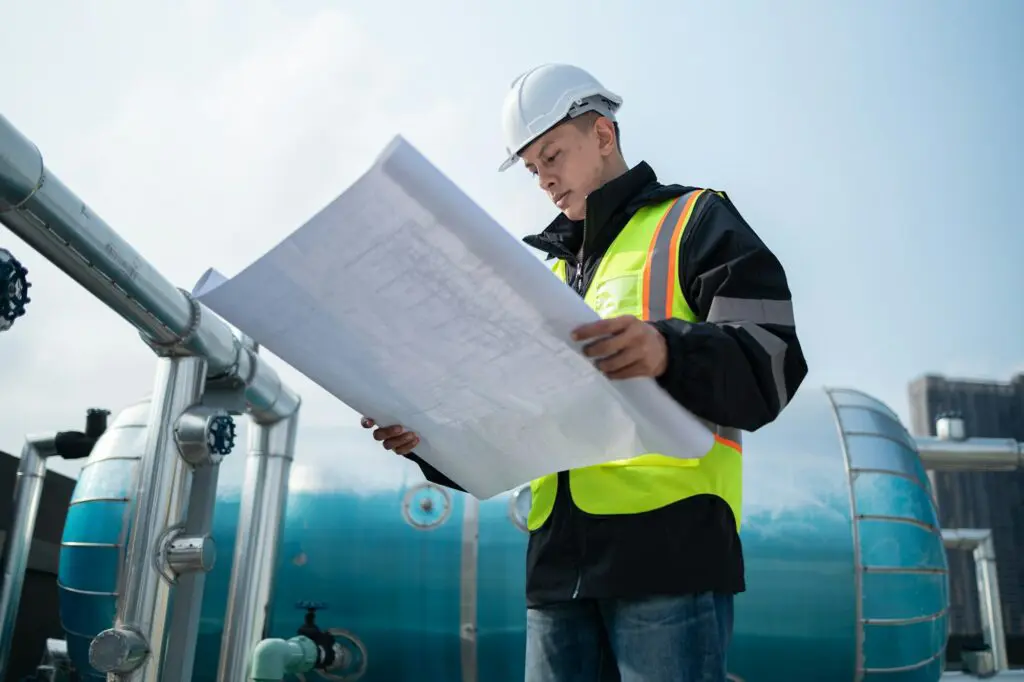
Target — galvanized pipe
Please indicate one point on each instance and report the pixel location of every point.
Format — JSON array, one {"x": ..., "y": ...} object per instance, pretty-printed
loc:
[
  {"x": 28, "y": 489},
  {"x": 264, "y": 497},
  {"x": 132, "y": 649},
  {"x": 37, "y": 207},
  {"x": 979, "y": 541}
]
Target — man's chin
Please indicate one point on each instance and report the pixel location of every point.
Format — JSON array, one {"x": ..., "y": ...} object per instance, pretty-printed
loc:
[{"x": 573, "y": 213}]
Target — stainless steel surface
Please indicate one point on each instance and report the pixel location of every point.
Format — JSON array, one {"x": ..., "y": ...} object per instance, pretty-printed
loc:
[
  {"x": 264, "y": 496},
  {"x": 28, "y": 488},
  {"x": 979, "y": 541},
  {"x": 972, "y": 454},
  {"x": 180, "y": 654},
  {"x": 37, "y": 207},
  {"x": 190, "y": 554},
  {"x": 191, "y": 434},
  {"x": 118, "y": 651},
  {"x": 950, "y": 428},
  {"x": 163, "y": 485}
]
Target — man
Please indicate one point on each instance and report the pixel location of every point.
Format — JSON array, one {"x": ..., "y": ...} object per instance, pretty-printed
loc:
[{"x": 632, "y": 566}]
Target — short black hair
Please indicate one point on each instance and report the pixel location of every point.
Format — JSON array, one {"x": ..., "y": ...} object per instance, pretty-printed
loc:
[{"x": 585, "y": 122}]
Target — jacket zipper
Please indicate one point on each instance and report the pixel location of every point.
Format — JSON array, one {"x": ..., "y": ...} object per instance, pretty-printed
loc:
[{"x": 578, "y": 286}]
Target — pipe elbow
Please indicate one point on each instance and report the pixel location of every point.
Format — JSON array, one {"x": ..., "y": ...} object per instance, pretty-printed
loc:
[
  {"x": 272, "y": 659},
  {"x": 269, "y": 660}
]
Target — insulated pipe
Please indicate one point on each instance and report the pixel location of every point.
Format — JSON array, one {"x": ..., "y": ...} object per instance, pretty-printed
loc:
[
  {"x": 132, "y": 649},
  {"x": 264, "y": 496},
  {"x": 37, "y": 207},
  {"x": 979, "y": 541},
  {"x": 28, "y": 489},
  {"x": 971, "y": 454}
]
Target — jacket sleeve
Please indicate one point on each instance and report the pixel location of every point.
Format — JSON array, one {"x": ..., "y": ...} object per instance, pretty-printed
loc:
[
  {"x": 433, "y": 475},
  {"x": 742, "y": 363}
]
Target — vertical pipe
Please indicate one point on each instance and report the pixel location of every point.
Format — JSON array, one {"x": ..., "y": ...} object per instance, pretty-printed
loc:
[
  {"x": 28, "y": 489},
  {"x": 183, "y": 631},
  {"x": 264, "y": 497},
  {"x": 990, "y": 600},
  {"x": 979, "y": 541},
  {"x": 132, "y": 649}
]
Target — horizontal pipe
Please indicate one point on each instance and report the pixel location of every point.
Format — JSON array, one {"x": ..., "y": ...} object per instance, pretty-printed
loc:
[
  {"x": 971, "y": 454},
  {"x": 36, "y": 206}
]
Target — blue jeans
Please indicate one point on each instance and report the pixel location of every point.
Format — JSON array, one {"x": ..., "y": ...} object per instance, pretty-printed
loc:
[{"x": 656, "y": 639}]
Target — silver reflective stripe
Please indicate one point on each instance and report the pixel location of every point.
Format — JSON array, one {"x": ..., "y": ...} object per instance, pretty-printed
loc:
[
  {"x": 468, "y": 587},
  {"x": 729, "y": 433},
  {"x": 726, "y": 432},
  {"x": 776, "y": 349},
  {"x": 759, "y": 311},
  {"x": 660, "y": 263}
]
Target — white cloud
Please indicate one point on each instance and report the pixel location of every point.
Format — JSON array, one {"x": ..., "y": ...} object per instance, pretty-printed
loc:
[{"x": 205, "y": 172}]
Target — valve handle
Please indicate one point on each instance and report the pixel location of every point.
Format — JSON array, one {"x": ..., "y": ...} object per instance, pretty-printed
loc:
[{"x": 14, "y": 287}]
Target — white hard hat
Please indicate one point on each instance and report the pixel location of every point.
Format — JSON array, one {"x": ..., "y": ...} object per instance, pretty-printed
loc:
[{"x": 543, "y": 97}]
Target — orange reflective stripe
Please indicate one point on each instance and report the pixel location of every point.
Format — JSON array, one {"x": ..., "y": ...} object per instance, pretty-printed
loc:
[
  {"x": 651, "y": 254},
  {"x": 673, "y": 253},
  {"x": 660, "y": 270},
  {"x": 729, "y": 443}
]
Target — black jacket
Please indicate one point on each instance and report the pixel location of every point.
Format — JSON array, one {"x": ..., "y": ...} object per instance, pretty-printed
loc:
[{"x": 734, "y": 372}]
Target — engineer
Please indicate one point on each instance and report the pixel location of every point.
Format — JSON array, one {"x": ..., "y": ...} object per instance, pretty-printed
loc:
[{"x": 632, "y": 566}]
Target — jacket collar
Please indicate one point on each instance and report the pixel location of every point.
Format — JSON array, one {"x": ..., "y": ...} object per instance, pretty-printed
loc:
[{"x": 562, "y": 238}]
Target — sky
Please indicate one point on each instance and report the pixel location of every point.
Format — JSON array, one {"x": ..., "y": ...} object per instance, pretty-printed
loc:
[{"x": 874, "y": 146}]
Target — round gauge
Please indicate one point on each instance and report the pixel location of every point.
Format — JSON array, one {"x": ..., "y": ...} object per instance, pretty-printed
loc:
[
  {"x": 519, "y": 506},
  {"x": 426, "y": 506}
]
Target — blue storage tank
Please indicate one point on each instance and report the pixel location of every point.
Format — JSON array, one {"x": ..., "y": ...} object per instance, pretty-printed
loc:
[{"x": 845, "y": 562}]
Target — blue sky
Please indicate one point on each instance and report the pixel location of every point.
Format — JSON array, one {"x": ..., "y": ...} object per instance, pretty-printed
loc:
[{"x": 875, "y": 146}]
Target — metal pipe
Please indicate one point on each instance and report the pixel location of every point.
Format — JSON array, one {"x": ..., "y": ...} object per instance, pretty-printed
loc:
[
  {"x": 180, "y": 654},
  {"x": 979, "y": 541},
  {"x": 132, "y": 649},
  {"x": 971, "y": 454},
  {"x": 28, "y": 489},
  {"x": 37, "y": 207},
  {"x": 264, "y": 497}
]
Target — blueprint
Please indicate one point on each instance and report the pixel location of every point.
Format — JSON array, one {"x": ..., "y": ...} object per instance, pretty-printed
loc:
[{"x": 411, "y": 305}]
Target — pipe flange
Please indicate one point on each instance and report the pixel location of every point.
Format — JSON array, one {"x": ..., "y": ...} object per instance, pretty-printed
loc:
[{"x": 352, "y": 659}]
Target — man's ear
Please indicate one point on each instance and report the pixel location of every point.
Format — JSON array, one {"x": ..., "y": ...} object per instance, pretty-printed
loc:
[{"x": 605, "y": 130}]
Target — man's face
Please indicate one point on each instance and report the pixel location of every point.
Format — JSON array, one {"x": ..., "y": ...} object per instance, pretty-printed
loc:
[{"x": 569, "y": 163}]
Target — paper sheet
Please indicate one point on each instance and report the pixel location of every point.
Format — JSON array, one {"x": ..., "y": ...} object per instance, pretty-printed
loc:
[{"x": 410, "y": 304}]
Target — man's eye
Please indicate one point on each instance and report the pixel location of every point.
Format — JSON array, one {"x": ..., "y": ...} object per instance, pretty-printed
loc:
[{"x": 551, "y": 159}]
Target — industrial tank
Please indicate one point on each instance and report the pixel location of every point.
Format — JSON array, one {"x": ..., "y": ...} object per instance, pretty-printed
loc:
[{"x": 846, "y": 570}]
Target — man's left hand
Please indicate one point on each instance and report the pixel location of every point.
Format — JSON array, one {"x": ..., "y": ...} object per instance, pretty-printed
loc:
[{"x": 631, "y": 347}]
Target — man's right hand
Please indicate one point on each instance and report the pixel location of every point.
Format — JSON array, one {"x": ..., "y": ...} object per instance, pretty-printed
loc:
[{"x": 394, "y": 438}]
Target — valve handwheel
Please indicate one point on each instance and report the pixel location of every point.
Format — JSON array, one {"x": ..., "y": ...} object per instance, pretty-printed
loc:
[{"x": 14, "y": 286}]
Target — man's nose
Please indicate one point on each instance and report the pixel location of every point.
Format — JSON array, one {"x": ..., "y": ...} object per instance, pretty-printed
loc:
[{"x": 545, "y": 180}]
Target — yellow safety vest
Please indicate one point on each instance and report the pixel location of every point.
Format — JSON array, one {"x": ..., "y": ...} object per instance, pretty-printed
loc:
[{"x": 637, "y": 276}]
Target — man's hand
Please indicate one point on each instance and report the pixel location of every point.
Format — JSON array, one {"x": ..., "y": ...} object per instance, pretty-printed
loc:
[
  {"x": 394, "y": 438},
  {"x": 633, "y": 348}
]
